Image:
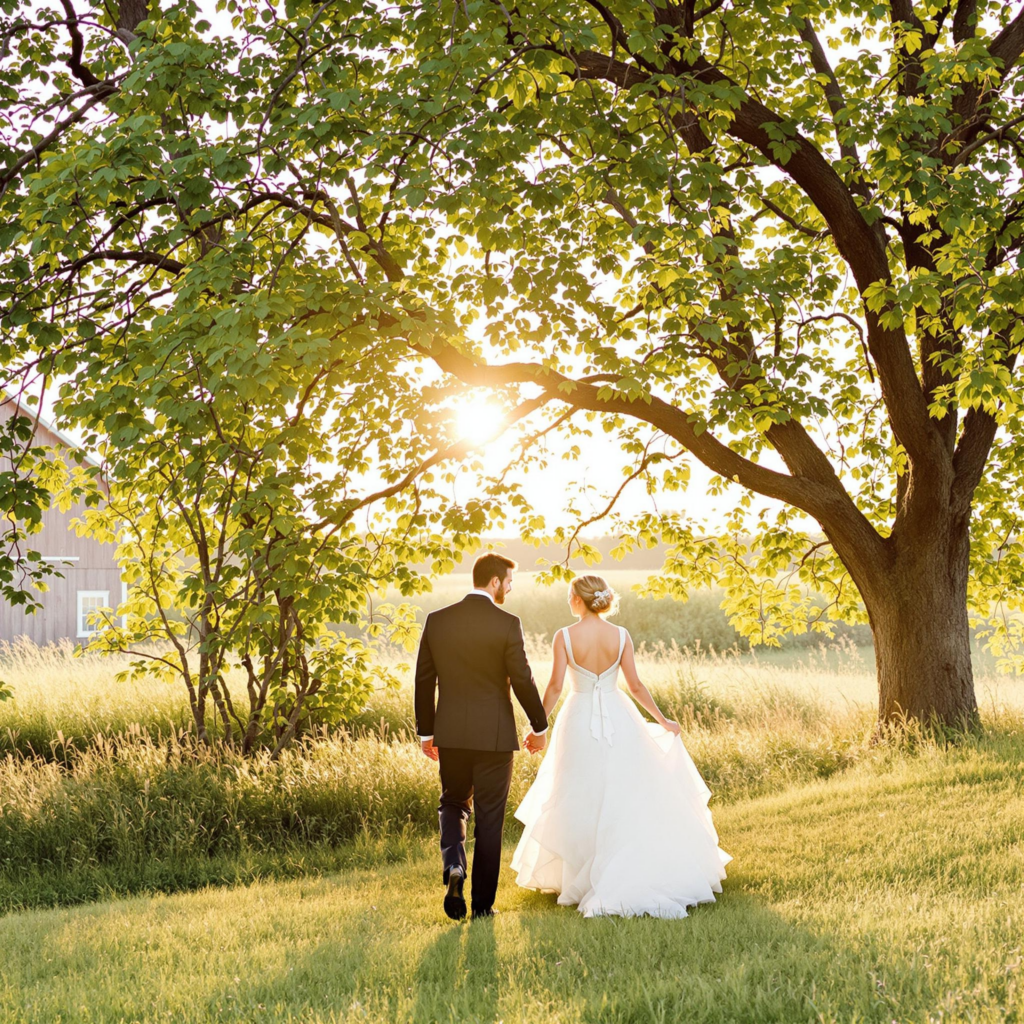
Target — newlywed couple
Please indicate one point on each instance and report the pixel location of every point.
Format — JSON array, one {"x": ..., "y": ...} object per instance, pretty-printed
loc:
[{"x": 617, "y": 820}]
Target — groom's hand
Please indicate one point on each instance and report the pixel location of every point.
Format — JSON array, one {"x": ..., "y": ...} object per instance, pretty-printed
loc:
[
  {"x": 534, "y": 743},
  {"x": 428, "y": 748}
]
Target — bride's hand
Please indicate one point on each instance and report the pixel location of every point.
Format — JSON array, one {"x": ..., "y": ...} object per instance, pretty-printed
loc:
[{"x": 673, "y": 727}]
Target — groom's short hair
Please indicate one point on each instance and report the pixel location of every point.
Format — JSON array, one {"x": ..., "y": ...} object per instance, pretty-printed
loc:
[{"x": 486, "y": 567}]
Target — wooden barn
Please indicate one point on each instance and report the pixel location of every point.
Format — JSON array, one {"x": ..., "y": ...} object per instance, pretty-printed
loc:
[{"x": 91, "y": 577}]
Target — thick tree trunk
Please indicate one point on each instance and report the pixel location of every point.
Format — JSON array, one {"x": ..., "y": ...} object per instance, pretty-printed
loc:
[{"x": 921, "y": 631}]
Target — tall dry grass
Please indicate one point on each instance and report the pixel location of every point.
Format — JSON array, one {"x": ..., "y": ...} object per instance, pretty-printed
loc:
[
  {"x": 61, "y": 701},
  {"x": 110, "y": 787}
]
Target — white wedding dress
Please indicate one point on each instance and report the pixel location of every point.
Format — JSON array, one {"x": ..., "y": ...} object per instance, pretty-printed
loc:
[{"x": 617, "y": 820}]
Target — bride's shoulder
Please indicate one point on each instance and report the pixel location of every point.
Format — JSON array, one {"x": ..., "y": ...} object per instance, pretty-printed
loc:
[{"x": 622, "y": 635}]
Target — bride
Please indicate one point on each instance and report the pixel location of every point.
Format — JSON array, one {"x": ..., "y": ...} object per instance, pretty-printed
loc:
[{"x": 617, "y": 820}]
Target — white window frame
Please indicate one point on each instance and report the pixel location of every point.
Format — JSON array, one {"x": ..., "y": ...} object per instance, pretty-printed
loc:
[{"x": 105, "y": 594}]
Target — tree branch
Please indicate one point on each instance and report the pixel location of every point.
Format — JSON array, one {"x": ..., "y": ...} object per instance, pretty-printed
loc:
[
  {"x": 971, "y": 102},
  {"x": 1009, "y": 44},
  {"x": 791, "y": 221},
  {"x": 43, "y": 144},
  {"x": 646, "y": 460},
  {"x": 901, "y": 12},
  {"x": 74, "y": 62},
  {"x": 618, "y": 33},
  {"x": 972, "y": 450},
  {"x": 801, "y": 455},
  {"x": 833, "y": 509},
  {"x": 709, "y": 9},
  {"x": 148, "y": 259},
  {"x": 860, "y": 245},
  {"x": 965, "y": 20},
  {"x": 833, "y": 96},
  {"x": 457, "y": 451},
  {"x": 981, "y": 140}
]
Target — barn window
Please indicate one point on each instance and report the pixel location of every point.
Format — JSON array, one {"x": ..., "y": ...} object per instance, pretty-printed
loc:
[{"x": 90, "y": 601}]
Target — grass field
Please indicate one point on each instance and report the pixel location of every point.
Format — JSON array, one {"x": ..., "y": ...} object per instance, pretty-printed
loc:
[
  {"x": 130, "y": 811},
  {"x": 145, "y": 882},
  {"x": 891, "y": 893}
]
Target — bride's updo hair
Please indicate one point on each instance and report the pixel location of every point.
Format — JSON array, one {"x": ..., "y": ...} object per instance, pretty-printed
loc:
[{"x": 595, "y": 594}]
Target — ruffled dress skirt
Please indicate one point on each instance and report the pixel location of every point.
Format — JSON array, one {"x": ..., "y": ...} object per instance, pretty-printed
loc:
[{"x": 617, "y": 821}]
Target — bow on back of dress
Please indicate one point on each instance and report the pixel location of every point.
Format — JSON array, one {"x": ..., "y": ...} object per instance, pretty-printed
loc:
[{"x": 602, "y": 685}]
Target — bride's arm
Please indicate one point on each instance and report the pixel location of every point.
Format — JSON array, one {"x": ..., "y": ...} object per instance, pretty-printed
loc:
[
  {"x": 640, "y": 692},
  {"x": 559, "y": 660}
]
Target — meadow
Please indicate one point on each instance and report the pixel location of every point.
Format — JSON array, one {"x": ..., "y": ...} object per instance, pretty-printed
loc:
[
  {"x": 121, "y": 800},
  {"x": 872, "y": 897},
  {"x": 142, "y": 879}
]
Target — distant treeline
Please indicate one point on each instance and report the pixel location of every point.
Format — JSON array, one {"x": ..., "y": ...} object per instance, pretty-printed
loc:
[{"x": 699, "y": 620}]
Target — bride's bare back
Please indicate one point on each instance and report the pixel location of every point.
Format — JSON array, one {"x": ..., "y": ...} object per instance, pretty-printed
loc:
[{"x": 595, "y": 644}]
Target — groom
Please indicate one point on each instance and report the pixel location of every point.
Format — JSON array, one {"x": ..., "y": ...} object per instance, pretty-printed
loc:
[{"x": 470, "y": 654}]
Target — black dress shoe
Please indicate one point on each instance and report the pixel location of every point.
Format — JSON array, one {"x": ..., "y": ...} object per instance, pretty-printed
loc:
[
  {"x": 484, "y": 912},
  {"x": 454, "y": 903}
]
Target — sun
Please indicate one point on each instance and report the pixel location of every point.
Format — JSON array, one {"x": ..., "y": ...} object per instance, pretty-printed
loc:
[{"x": 478, "y": 420}]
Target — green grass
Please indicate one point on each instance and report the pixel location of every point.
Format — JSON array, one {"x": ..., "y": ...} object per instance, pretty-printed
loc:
[
  {"x": 869, "y": 884},
  {"x": 892, "y": 892},
  {"x": 133, "y": 812}
]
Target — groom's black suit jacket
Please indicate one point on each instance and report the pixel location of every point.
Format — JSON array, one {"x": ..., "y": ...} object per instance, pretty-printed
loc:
[{"x": 471, "y": 653}]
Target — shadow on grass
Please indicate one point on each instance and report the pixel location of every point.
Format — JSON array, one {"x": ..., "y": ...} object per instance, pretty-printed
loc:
[
  {"x": 735, "y": 961},
  {"x": 458, "y": 976},
  {"x": 88, "y": 883}
]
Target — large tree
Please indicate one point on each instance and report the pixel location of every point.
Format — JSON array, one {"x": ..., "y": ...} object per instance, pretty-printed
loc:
[{"x": 783, "y": 235}]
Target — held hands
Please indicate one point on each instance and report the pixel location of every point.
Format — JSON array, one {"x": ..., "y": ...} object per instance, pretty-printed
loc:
[
  {"x": 428, "y": 748},
  {"x": 534, "y": 743}
]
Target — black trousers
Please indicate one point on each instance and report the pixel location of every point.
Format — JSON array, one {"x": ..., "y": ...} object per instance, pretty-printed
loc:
[{"x": 474, "y": 780}]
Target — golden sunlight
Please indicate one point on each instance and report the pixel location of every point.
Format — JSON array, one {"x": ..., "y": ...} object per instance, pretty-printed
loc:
[{"x": 478, "y": 420}]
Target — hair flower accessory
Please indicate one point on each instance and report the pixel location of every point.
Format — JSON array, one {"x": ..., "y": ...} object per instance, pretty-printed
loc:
[{"x": 604, "y": 593}]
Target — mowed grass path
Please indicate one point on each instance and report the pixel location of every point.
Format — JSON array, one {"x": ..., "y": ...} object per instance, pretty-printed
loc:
[{"x": 891, "y": 893}]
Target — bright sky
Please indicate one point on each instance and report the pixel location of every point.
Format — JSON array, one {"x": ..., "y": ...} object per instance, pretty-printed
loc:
[{"x": 599, "y": 466}]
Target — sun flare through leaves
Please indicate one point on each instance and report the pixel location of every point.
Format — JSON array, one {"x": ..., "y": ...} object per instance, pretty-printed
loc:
[{"x": 478, "y": 420}]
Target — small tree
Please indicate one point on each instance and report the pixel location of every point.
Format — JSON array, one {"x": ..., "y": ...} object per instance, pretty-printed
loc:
[
  {"x": 240, "y": 411},
  {"x": 233, "y": 496}
]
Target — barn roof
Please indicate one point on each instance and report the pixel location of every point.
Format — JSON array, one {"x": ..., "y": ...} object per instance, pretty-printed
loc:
[{"x": 47, "y": 424}]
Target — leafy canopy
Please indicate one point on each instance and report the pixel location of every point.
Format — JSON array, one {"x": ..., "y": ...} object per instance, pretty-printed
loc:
[{"x": 793, "y": 257}]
